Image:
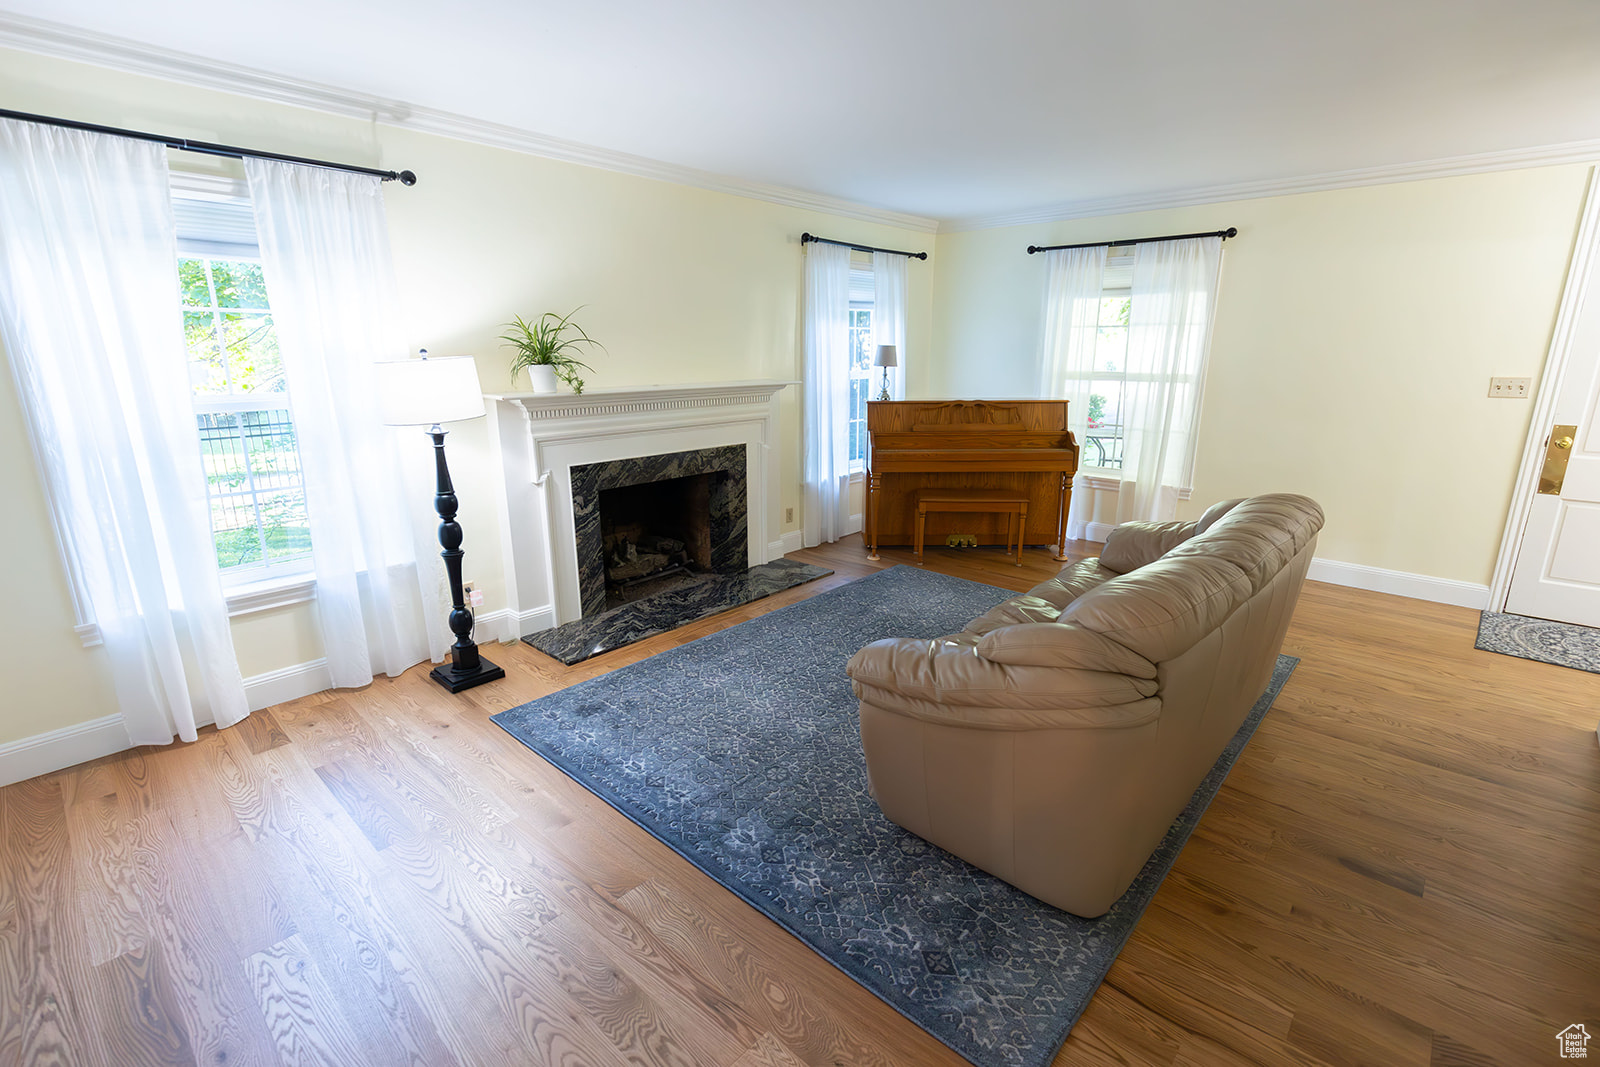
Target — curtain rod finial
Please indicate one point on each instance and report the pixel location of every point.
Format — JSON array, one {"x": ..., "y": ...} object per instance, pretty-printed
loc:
[{"x": 407, "y": 178}]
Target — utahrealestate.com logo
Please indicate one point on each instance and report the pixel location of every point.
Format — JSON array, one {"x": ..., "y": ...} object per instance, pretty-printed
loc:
[{"x": 1574, "y": 1042}]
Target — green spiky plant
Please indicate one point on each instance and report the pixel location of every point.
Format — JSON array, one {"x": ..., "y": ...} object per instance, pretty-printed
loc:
[{"x": 547, "y": 341}]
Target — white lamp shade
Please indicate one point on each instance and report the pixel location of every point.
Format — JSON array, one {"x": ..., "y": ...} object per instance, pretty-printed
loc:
[
  {"x": 421, "y": 392},
  {"x": 888, "y": 356}
]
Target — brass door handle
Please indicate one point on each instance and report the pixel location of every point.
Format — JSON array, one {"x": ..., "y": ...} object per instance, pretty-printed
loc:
[{"x": 1556, "y": 454}]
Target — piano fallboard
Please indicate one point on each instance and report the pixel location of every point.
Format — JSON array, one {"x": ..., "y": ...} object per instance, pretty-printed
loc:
[{"x": 992, "y": 459}]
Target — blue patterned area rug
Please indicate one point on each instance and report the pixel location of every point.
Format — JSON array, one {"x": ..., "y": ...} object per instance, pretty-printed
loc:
[
  {"x": 1558, "y": 643},
  {"x": 742, "y": 752}
]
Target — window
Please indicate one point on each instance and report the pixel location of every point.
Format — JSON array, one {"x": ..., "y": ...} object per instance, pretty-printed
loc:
[
  {"x": 243, "y": 417},
  {"x": 1103, "y": 436},
  {"x": 861, "y": 353}
]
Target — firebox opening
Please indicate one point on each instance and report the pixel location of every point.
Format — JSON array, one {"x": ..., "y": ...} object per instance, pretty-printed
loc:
[{"x": 656, "y": 536}]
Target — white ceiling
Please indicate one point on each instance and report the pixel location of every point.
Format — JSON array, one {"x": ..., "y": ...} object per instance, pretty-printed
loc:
[{"x": 942, "y": 108}]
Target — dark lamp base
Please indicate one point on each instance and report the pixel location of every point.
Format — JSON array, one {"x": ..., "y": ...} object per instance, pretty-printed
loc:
[{"x": 455, "y": 681}]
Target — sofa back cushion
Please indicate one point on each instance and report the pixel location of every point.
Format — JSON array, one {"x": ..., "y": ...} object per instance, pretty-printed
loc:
[
  {"x": 1163, "y": 608},
  {"x": 1260, "y": 536}
]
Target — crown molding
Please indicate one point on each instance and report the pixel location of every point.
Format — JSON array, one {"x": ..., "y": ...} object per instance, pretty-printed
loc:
[
  {"x": 59, "y": 41},
  {"x": 1445, "y": 167}
]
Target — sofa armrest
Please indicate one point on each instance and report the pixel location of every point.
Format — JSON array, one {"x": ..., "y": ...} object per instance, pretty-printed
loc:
[
  {"x": 906, "y": 673},
  {"x": 1049, "y": 644},
  {"x": 1133, "y": 544}
]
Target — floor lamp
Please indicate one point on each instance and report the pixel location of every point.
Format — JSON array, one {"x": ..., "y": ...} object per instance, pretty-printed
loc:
[{"x": 427, "y": 392}]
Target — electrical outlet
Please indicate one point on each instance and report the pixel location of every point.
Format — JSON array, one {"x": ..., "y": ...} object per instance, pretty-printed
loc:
[
  {"x": 788, "y": 516},
  {"x": 1510, "y": 388}
]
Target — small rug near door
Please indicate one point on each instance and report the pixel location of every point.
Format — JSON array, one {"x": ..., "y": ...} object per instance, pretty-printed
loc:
[
  {"x": 1559, "y": 643},
  {"x": 742, "y": 752}
]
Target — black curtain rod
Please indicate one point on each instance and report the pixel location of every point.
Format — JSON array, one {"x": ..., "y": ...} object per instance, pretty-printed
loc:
[
  {"x": 183, "y": 144},
  {"x": 807, "y": 238},
  {"x": 1231, "y": 231}
]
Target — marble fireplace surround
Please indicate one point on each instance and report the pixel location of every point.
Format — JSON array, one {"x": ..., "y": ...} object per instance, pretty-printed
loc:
[
  {"x": 541, "y": 438},
  {"x": 729, "y": 507}
]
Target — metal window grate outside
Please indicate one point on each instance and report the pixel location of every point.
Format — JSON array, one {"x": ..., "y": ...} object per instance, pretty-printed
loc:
[{"x": 255, "y": 485}]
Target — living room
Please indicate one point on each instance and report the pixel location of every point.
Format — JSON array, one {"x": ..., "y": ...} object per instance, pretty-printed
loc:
[{"x": 1362, "y": 309}]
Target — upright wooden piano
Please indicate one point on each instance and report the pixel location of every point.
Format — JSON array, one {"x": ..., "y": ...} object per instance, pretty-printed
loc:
[{"x": 1021, "y": 445}]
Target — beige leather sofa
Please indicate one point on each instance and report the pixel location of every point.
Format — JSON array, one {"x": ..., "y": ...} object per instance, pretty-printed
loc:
[{"x": 1054, "y": 740}]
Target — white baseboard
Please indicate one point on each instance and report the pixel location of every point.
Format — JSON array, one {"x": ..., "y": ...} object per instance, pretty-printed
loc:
[
  {"x": 789, "y": 542},
  {"x": 84, "y": 741},
  {"x": 70, "y": 745},
  {"x": 1400, "y": 583},
  {"x": 494, "y": 626},
  {"x": 511, "y": 625},
  {"x": 287, "y": 683}
]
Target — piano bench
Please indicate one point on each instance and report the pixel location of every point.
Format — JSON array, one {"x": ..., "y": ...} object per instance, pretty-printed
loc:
[{"x": 1007, "y": 502}]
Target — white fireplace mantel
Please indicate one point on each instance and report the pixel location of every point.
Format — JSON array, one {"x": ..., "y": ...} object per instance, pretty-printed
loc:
[{"x": 542, "y": 436}]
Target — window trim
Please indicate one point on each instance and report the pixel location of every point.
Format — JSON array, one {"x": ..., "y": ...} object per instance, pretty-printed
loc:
[{"x": 265, "y": 594}]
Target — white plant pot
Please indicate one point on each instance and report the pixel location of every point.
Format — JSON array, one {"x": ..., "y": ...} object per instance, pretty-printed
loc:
[{"x": 542, "y": 378}]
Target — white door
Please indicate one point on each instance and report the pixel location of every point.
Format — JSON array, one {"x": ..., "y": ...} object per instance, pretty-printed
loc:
[{"x": 1557, "y": 572}]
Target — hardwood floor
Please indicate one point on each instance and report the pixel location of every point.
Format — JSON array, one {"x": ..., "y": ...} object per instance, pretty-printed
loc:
[{"x": 1403, "y": 868}]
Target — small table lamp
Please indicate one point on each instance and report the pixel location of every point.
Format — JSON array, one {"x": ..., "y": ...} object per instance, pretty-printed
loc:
[
  {"x": 888, "y": 356},
  {"x": 427, "y": 392}
]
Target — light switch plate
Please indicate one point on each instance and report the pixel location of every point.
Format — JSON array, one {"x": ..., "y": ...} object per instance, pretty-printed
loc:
[{"x": 1510, "y": 388}]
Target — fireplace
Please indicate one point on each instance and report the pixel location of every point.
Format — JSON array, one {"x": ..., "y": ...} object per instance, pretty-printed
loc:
[
  {"x": 647, "y": 524},
  {"x": 550, "y": 448}
]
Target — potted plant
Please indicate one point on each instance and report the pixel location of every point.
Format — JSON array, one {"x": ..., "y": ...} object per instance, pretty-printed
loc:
[{"x": 546, "y": 347}]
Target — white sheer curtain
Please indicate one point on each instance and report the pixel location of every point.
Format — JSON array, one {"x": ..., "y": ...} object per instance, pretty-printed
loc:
[
  {"x": 325, "y": 256},
  {"x": 826, "y": 474},
  {"x": 89, "y": 314},
  {"x": 889, "y": 317},
  {"x": 1169, "y": 337},
  {"x": 1071, "y": 315}
]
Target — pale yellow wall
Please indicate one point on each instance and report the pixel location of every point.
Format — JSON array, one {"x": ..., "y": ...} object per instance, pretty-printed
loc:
[
  {"x": 681, "y": 285},
  {"x": 1356, "y": 334}
]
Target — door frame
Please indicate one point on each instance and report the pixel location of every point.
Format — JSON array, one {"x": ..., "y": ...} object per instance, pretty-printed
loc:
[{"x": 1580, "y": 273}]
